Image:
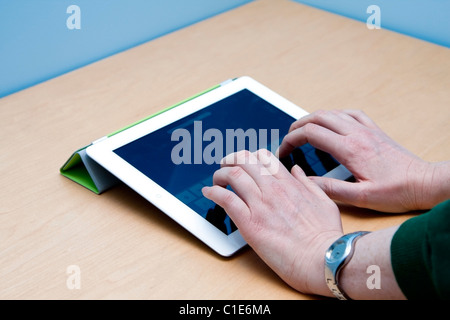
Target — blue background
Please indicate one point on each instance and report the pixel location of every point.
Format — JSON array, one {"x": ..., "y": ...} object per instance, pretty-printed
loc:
[
  {"x": 36, "y": 45},
  {"x": 424, "y": 19}
]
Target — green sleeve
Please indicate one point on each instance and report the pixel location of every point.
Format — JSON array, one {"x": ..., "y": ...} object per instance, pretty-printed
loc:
[{"x": 420, "y": 254}]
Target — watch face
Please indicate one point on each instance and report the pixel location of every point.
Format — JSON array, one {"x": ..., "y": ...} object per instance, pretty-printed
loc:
[{"x": 337, "y": 252}]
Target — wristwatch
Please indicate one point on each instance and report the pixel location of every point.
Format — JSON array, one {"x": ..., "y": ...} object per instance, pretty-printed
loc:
[{"x": 336, "y": 257}]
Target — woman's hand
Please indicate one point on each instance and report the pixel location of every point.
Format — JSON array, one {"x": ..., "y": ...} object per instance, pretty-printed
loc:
[
  {"x": 388, "y": 177},
  {"x": 285, "y": 217}
]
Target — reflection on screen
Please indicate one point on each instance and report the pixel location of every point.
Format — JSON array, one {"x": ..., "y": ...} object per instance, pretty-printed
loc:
[{"x": 183, "y": 165}]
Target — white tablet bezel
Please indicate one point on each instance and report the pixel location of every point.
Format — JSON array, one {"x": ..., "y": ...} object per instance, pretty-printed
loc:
[{"x": 103, "y": 153}]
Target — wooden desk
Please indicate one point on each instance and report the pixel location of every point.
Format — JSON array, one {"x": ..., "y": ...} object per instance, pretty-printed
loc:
[{"x": 124, "y": 247}]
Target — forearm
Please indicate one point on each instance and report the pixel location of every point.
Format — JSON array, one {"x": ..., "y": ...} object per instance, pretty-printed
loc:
[{"x": 369, "y": 273}]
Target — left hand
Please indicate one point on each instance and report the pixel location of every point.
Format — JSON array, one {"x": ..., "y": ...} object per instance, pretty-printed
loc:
[{"x": 286, "y": 218}]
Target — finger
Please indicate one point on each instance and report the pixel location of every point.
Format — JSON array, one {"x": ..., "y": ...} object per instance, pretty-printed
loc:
[
  {"x": 318, "y": 136},
  {"x": 239, "y": 180},
  {"x": 301, "y": 177},
  {"x": 234, "y": 206},
  {"x": 237, "y": 158},
  {"x": 361, "y": 117},
  {"x": 335, "y": 121},
  {"x": 273, "y": 166},
  {"x": 249, "y": 163},
  {"x": 347, "y": 192}
]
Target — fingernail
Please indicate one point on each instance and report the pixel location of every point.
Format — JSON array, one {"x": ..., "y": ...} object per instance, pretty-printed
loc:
[{"x": 297, "y": 168}]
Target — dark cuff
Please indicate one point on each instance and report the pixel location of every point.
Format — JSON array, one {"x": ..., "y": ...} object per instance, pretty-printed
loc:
[{"x": 409, "y": 259}]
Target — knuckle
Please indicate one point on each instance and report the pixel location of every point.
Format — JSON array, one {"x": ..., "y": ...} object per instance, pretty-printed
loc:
[
  {"x": 288, "y": 139},
  {"x": 236, "y": 172},
  {"x": 335, "y": 112},
  {"x": 244, "y": 153},
  {"x": 294, "y": 126},
  {"x": 309, "y": 128},
  {"x": 263, "y": 152},
  {"x": 320, "y": 114},
  {"x": 229, "y": 199},
  {"x": 242, "y": 156}
]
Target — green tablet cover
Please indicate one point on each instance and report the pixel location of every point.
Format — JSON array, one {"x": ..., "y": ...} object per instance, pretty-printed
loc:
[{"x": 88, "y": 173}]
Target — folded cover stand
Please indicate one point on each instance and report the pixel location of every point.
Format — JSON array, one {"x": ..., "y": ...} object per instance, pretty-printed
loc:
[{"x": 88, "y": 173}]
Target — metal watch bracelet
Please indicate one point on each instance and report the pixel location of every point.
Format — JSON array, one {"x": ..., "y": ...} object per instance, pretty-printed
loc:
[{"x": 336, "y": 257}]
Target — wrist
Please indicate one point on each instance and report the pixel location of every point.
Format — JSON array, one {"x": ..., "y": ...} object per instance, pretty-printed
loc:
[
  {"x": 438, "y": 188},
  {"x": 430, "y": 184},
  {"x": 314, "y": 280}
]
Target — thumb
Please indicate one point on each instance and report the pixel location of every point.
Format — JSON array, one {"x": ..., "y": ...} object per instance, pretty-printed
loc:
[{"x": 347, "y": 192}]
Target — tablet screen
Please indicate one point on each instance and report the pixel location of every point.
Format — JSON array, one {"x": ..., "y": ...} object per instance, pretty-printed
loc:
[{"x": 183, "y": 156}]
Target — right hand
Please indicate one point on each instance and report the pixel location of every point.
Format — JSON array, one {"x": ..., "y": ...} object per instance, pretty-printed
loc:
[{"x": 388, "y": 177}]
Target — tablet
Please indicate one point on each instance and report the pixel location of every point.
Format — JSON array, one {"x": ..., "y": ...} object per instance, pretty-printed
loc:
[{"x": 168, "y": 159}]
